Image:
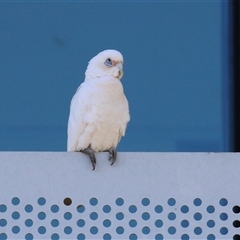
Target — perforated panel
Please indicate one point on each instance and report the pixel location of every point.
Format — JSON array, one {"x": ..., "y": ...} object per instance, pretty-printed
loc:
[
  {"x": 119, "y": 219},
  {"x": 177, "y": 197}
]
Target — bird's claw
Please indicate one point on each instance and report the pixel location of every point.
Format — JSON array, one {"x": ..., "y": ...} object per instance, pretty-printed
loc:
[
  {"x": 93, "y": 163},
  {"x": 91, "y": 155},
  {"x": 112, "y": 155}
]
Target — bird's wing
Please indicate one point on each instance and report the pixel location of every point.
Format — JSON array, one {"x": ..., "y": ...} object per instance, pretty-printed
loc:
[{"x": 76, "y": 121}]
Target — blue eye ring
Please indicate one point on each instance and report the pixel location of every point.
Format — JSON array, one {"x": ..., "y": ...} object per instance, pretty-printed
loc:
[{"x": 108, "y": 62}]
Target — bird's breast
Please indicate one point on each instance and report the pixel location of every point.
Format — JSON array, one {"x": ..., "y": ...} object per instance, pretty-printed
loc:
[{"x": 108, "y": 115}]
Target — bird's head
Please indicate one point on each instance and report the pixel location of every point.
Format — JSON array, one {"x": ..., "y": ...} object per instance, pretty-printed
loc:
[{"x": 106, "y": 63}]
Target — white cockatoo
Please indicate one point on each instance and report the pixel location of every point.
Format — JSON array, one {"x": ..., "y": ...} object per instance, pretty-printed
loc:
[{"x": 99, "y": 110}]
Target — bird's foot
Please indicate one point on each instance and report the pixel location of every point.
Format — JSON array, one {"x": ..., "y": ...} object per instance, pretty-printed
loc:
[
  {"x": 112, "y": 155},
  {"x": 91, "y": 155}
]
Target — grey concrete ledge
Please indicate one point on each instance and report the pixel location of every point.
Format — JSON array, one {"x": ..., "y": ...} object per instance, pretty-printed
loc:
[{"x": 180, "y": 171}]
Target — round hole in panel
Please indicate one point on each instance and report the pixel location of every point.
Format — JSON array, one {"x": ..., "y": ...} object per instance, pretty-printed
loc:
[
  {"x": 133, "y": 236},
  {"x": 41, "y": 201},
  {"x": 67, "y": 201},
  {"x": 159, "y": 237},
  {"x": 28, "y": 236},
  {"x": 107, "y": 236},
  {"x": 145, "y": 216},
  {"x": 3, "y": 223},
  {"x": 93, "y": 215},
  {"x": 54, "y": 223},
  {"x": 236, "y": 223},
  {"x": 236, "y": 237},
  {"x": 3, "y": 208},
  {"x": 67, "y": 215},
  {"x": 119, "y": 201},
  {"x": 55, "y": 236},
  {"x": 171, "y": 230},
  {"x": 106, "y": 209},
  {"x": 197, "y": 202},
  {"x": 42, "y": 230},
  {"x": 132, "y": 209},
  {"x": 81, "y": 236},
  {"x": 223, "y": 216},
  {"x": 236, "y": 209},
  {"x": 41, "y": 215},
  {"x": 197, "y": 216},
  {"x": 211, "y": 237},
  {"x": 15, "y": 215},
  {"x": 184, "y": 223},
  {"x": 184, "y": 209},
  {"x": 15, "y": 201},
  {"x": 68, "y": 230},
  {"x": 223, "y": 230},
  {"x": 28, "y": 222},
  {"x": 185, "y": 237},
  {"x": 198, "y": 230},
  {"x": 28, "y": 208},
  {"x": 119, "y": 216},
  {"x": 210, "y": 209},
  {"x": 132, "y": 223},
  {"x": 119, "y": 230},
  {"x": 80, "y": 208},
  {"x": 158, "y": 223},
  {"x": 171, "y": 201},
  {"x": 223, "y": 202},
  {"x": 145, "y": 230},
  {"x": 3, "y": 236},
  {"x": 106, "y": 223},
  {"x": 54, "y": 208},
  {"x": 158, "y": 209},
  {"x": 15, "y": 229},
  {"x": 171, "y": 216},
  {"x": 93, "y": 201},
  {"x": 210, "y": 223},
  {"x": 145, "y": 201},
  {"x": 81, "y": 223},
  {"x": 93, "y": 230}
]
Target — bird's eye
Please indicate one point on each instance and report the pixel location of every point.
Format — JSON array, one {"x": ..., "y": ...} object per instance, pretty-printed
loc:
[{"x": 108, "y": 62}]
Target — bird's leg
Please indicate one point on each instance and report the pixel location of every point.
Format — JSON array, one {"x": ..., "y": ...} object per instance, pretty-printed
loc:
[
  {"x": 91, "y": 155},
  {"x": 112, "y": 155}
]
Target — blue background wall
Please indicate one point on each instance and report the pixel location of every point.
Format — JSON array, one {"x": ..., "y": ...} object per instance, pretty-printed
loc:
[{"x": 176, "y": 71}]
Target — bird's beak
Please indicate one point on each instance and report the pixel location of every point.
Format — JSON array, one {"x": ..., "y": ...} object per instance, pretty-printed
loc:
[
  {"x": 119, "y": 66},
  {"x": 120, "y": 70}
]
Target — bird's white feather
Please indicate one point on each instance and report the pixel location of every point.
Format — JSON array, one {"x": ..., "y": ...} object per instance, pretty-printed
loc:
[{"x": 99, "y": 109}]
